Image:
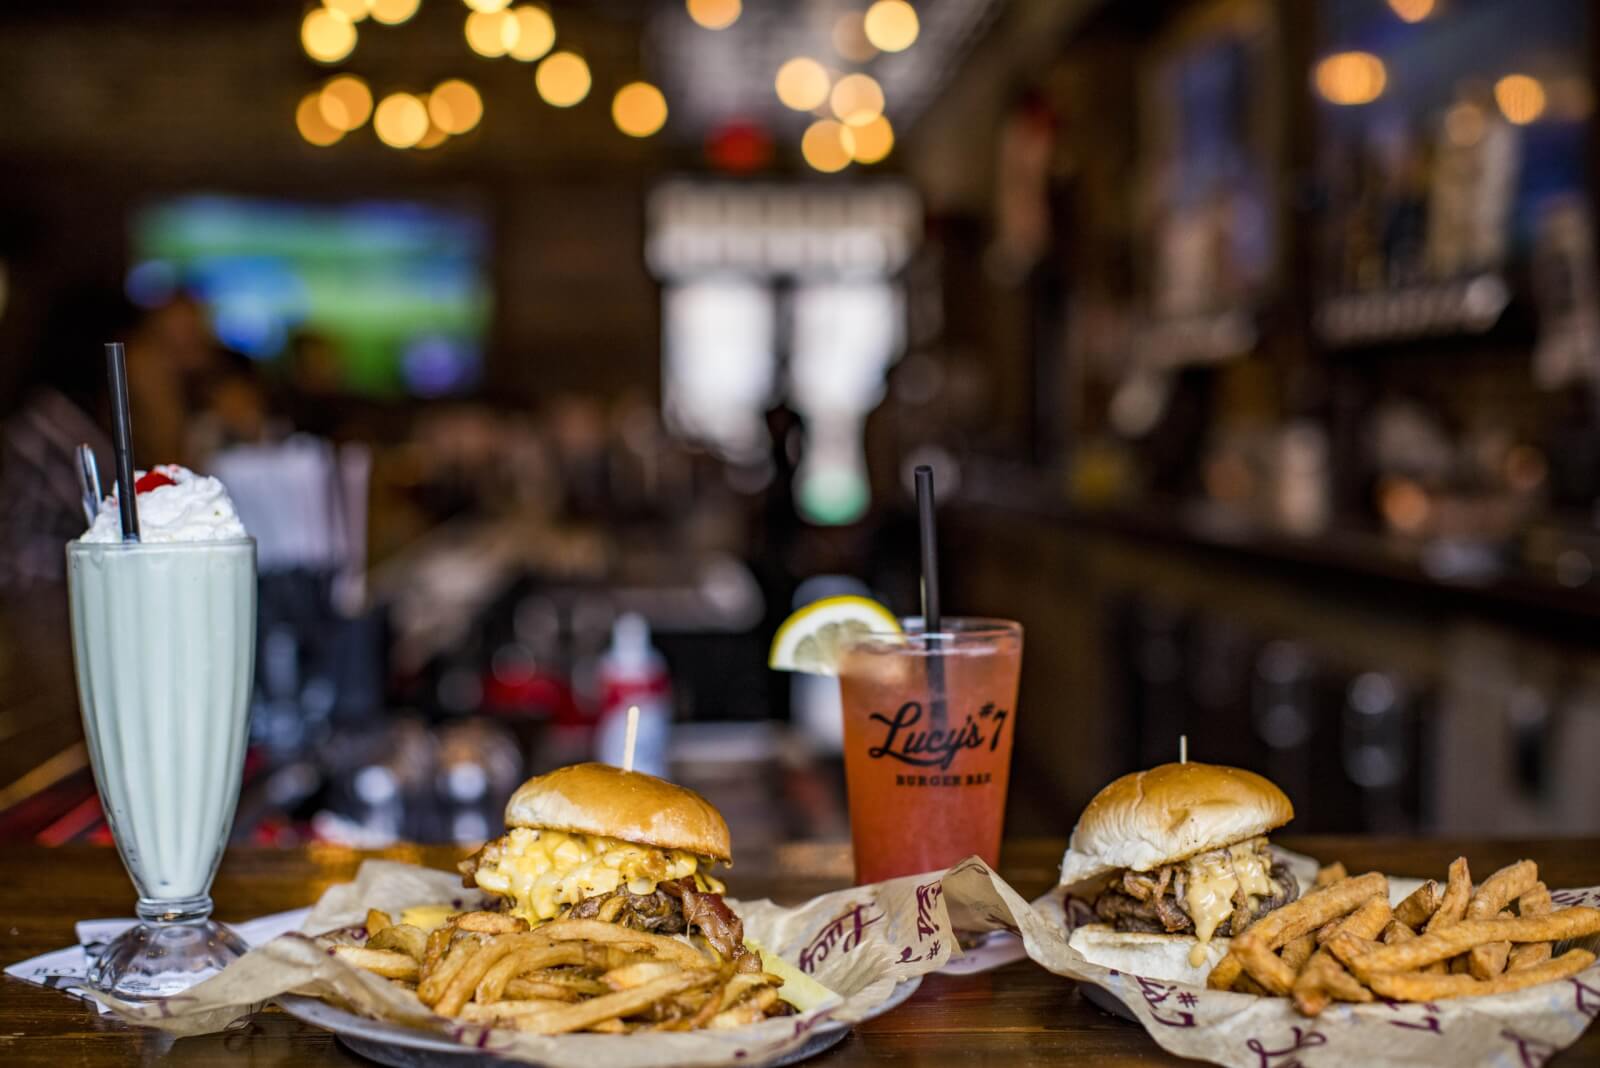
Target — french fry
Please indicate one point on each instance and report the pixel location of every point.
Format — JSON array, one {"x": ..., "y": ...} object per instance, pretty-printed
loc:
[
  {"x": 1397, "y": 931},
  {"x": 435, "y": 979},
  {"x": 485, "y": 975},
  {"x": 1457, "y": 892},
  {"x": 377, "y": 920},
  {"x": 1535, "y": 902},
  {"x": 748, "y": 1011},
  {"x": 631, "y": 975},
  {"x": 1330, "y": 874},
  {"x": 1502, "y": 888},
  {"x": 490, "y": 923},
  {"x": 1368, "y": 921},
  {"x": 1246, "y": 985},
  {"x": 1489, "y": 960},
  {"x": 1419, "y": 905},
  {"x": 384, "y": 962},
  {"x": 1458, "y": 939},
  {"x": 623, "y": 1003},
  {"x": 1411, "y": 986},
  {"x": 613, "y": 1026},
  {"x": 1324, "y": 979},
  {"x": 1297, "y": 951},
  {"x": 402, "y": 938},
  {"x": 505, "y": 1011},
  {"x": 595, "y": 931},
  {"x": 1225, "y": 973},
  {"x": 524, "y": 989},
  {"x": 1255, "y": 947}
]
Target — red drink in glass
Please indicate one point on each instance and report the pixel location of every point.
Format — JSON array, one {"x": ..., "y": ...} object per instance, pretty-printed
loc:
[{"x": 928, "y": 723}]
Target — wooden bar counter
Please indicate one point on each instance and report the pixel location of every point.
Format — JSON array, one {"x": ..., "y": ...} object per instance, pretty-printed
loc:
[{"x": 1019, "y": 1014}]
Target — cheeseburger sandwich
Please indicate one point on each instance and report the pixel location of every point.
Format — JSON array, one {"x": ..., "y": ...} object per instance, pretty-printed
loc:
[
  {"x": 595, "y": 842},
  {"x": 1172, "y": 861}
]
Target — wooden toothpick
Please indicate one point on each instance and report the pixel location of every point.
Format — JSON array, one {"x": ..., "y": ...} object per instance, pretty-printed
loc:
[
  {"x": 1183, "y": 748},
  {"x": 631, "y": 737}
]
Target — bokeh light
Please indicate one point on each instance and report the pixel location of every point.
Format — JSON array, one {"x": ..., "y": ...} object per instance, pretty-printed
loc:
[
  {"x": 715, "y": 14},
  {"x": 1348, "y": 78},
  {"x": 345, "y": 102},
  {"x": 492, "y": 33},
  {"x": 856, "y": 99},
  {"x": 873, "y": 141},
  {"x": 401, "y": 120},
  {"x": 802, "y": 83},
  {"x": 850, "y": 37},
  {"x": 455, "y": 106},
  {"x": 639, "y": 109},
  {"x": 827, "y": 145},
  {"x": 327, "y": 36},
  {"x": 434, "y": 137},
  {"x": 312, "y": 126},
  {"x": 891, "y": 25},
  {"x": 488, "y": 7},
  {"x": 536, "y": 32},
  {"x": 562, "y": 79},
  {"x": 354, "y": 10},
  {"x": 1412, "y": 10},
  {"x": 1521, "y": 98},
  {"x": 394, "y": 12}
]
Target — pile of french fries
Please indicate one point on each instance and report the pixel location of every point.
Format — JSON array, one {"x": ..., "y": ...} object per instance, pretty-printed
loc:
[
  {"x": 568, "y": 975},
  {"x": 1343, "y": 942}
]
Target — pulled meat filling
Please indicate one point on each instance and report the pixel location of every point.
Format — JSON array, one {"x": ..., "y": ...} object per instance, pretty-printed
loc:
[
  {"x": 1154, "y": 901},
  {"x": 676, "y": 907}
]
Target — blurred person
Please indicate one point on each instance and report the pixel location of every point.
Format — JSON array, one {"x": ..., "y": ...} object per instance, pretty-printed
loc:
[
  {"x": 61, "y": 402},
  {"x": 173, "y": 359}
]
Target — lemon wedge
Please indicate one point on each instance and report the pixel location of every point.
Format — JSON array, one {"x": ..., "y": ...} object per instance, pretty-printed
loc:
[{"x": 810, "y": 640}]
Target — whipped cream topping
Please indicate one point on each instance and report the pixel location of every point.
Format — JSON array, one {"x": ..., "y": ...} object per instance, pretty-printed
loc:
[{"x": 190, "y": 507}]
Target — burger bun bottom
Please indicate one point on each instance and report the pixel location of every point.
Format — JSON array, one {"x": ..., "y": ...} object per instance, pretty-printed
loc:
[{"x": 1153, "y": 956}]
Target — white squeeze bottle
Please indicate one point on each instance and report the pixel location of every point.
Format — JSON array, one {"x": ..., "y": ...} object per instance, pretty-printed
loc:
[{"x": 632, "y": 672}]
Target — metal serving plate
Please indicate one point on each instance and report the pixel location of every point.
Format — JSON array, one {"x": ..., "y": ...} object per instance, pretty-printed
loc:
[{"x": 404, "y": 1047}]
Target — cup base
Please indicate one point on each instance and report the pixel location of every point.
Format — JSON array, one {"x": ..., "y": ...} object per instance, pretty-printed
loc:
[{"x": 157, "y": 960}]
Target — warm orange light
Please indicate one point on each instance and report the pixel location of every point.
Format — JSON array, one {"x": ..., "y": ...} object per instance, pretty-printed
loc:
[
  {"x": 802, "y": 84},
  {"x": 562, "y": 79},
  {"x": 856, "y": 99},
  {"x": 401, "y": 120},
  {"x": 850, "y": 37},
  {"x": 827, "y": 145},
  {"x": 433, "y": 138},
  {"x": 327, "y": 36},
  {"x": 488, "y": 7},
  {"x": 639, "y": 109},
  {"x": 1351, "y": 78},
  {"x": 394, "y": 12},
  {"x": 354, "y": 10},
  {"x": 492, "y": 33},
  {"x": 455, "y": 106},
  {"x": 715, "y": 14},
  {"x": 873, "y": 141},
  {"x": 1521, "y": 98},
  {"x": 345, "y": 102},
  {"x": 536, "y": 32},
  {"x": 1412, "y": 10},
  {"x": 891, "y": 25},
  {"x": 312, "y": 126}
]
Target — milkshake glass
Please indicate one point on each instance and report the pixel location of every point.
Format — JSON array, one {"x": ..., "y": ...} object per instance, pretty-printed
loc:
[{"x": 163, "y": 639}]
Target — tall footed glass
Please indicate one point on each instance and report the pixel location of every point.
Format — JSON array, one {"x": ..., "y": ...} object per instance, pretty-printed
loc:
[{"x": 163, "y": 640}]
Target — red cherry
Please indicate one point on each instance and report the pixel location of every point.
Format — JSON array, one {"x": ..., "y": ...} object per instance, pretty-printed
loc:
[{"x": 152, "y": 480}]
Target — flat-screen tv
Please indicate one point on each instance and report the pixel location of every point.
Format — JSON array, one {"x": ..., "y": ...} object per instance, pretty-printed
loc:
[{"x": 398, "y": 289}]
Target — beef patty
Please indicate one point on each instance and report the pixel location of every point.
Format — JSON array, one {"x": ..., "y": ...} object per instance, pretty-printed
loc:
[{"x": 1159, "y": 908}]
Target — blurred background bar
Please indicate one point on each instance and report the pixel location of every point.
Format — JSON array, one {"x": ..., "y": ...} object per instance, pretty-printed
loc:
[{"x": 555, "y": 352}]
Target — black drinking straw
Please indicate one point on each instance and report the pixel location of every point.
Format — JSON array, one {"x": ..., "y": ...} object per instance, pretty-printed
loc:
[
  {"x": 932, "y": 621},
  {"x": 122, "y": 438}
]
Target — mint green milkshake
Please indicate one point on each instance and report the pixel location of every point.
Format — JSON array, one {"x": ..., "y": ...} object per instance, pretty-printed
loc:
[{"x": 163, "y": 636}]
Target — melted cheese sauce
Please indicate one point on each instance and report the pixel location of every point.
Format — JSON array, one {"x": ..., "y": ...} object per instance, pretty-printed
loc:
[
  {"x": 543, "y": 871},
  {"x": 1212, "y": 880}
]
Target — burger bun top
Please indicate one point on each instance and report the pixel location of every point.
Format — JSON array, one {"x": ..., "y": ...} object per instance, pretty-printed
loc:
[{"x": 603, "y": 800}]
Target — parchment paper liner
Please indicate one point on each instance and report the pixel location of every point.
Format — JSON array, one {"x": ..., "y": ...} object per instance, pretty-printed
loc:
[{"x": 862, "y": 942}]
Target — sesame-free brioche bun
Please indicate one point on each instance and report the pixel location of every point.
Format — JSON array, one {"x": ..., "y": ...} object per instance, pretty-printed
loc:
[
  {"x": 1149, "y": 818},
  {"x": 630, "y": 805}
]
